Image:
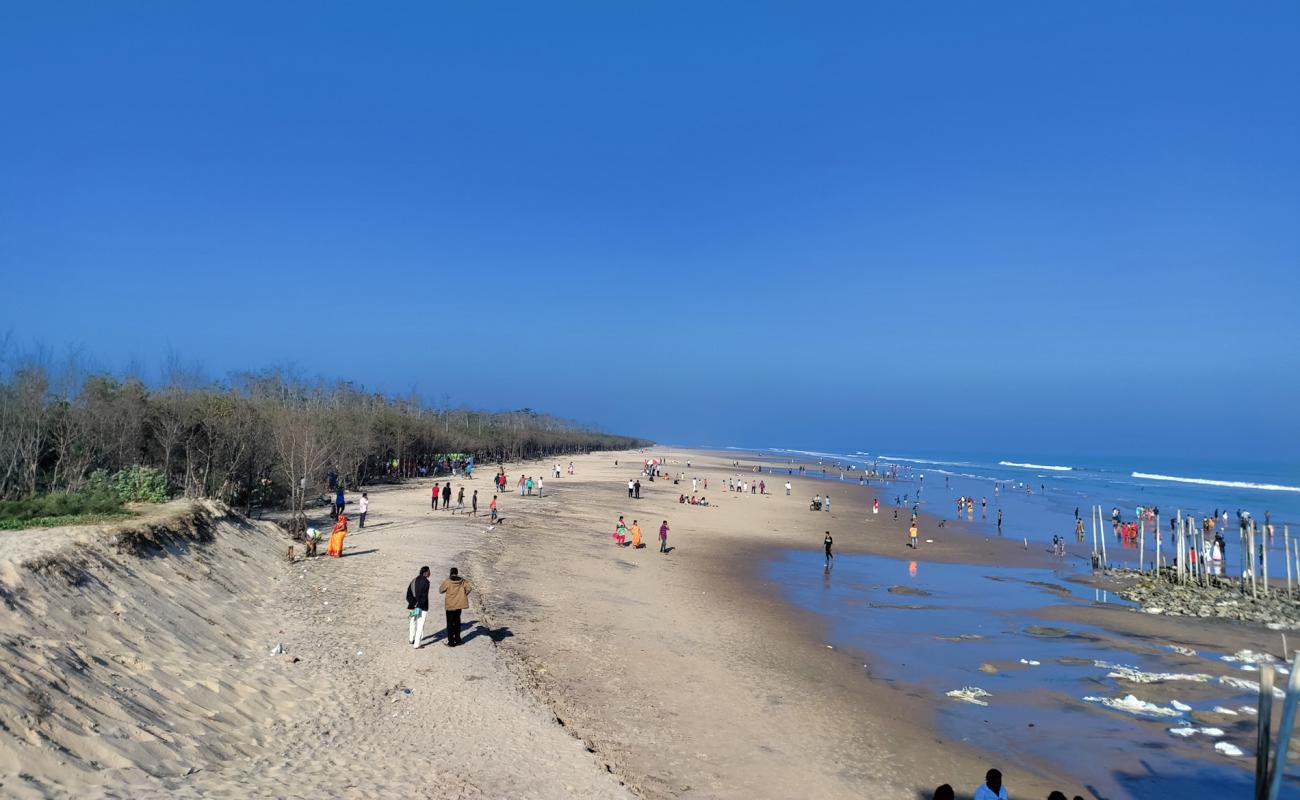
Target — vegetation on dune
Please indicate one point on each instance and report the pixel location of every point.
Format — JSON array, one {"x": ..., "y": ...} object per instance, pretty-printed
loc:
[{"x": 72, "y": 444}]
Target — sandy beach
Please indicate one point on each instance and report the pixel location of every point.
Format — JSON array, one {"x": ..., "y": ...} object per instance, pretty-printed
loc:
[{"x": 143, "y": 665}]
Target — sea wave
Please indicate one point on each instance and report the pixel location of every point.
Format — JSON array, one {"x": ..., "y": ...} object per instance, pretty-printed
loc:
[
  {"x": 924, "y": 461},
  {"x": 1268, "y": 487},
  {"x": 1052, "y": 467}
]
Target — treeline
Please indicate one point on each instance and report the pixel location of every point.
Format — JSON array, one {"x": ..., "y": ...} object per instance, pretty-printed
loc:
[{"x": 257, "y": 438}]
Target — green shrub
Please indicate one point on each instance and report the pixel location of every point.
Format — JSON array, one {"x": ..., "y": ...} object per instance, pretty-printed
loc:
[
  {"x": 141, "y": 484},
  {"x": 60, "y": 509}
]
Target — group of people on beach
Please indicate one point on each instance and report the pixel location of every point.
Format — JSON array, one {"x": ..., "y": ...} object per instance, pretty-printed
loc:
[
  {"x": 625, "y": 536},
  {"x": 455, "y": 590},
  {"x": 991, "y": 789}
]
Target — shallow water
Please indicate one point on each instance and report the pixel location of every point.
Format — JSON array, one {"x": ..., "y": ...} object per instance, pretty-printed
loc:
[{"x": 916, "y": 621}]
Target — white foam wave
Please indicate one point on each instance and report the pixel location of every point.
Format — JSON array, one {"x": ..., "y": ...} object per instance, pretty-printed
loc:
[
  {"x": 925, "y": 461},
  {"x": 1052, "y": 467},
  {"x": 1267, "y": 487}
]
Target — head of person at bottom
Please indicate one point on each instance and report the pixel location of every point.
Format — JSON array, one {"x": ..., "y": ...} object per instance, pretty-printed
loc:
[
  {"x": 455, "y": 574},
  {"x": 1056, "y": 796},
  {"x": 992, "y": 788},
  {"x": 945, "y": 792}
]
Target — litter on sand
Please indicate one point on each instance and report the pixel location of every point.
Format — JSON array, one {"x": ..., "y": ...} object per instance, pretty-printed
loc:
[
  {"x": 1222, "y": 710},
  {"x": 1227, "y": 749},
  {"x": 1030, "y": 662},
  {"x": 1187, "y": 731},
  {"x": 1183, "y": 732},
  {"x": 1177, "y": 706},
  {"x": 1133, "y": 705},
  {"x": 970, "y": 694},
  {"x": 1178, "y": 648}
]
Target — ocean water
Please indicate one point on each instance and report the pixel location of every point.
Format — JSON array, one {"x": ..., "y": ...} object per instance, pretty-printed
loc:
[
  {"x": 932, "y": 627},
  {"x": 1039, "y": 495}
]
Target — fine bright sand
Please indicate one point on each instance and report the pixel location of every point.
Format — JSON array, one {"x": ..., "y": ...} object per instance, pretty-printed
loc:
[{"x": 137, "y": 658}]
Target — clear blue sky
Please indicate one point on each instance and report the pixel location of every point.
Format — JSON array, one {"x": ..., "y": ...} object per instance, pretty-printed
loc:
[{"x": 1023, "y": 226}]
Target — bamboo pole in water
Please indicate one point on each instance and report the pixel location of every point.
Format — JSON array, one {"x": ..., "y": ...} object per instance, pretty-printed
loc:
[
  {"x": 1263, "y": 729},
  {"x": 1284, "y": 732},
  {"x": 1157, "y": 545},
  {"x": 1263, "y": 555},
  {"x": 1142, "y": 541},
  {"x": 1092, "y": 518},
  {"x": 1286, "y": 556},
  {"x": 1250, "y": 537},
  {"x": 1104, "y": 561},
  {"x": 1180, "y": 555}
]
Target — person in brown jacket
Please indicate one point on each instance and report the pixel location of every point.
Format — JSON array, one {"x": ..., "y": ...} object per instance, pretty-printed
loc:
[{"x": 456, "y": 590}]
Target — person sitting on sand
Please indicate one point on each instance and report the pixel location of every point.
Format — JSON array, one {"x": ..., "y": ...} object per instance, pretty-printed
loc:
[
  {"x": 636, "y": 535},
  {"x": 991, "y": 788},
  {"x": 337, "y": 535},
  {"x": 703, "y": 501},
  {"x": 681, "y": 498}
]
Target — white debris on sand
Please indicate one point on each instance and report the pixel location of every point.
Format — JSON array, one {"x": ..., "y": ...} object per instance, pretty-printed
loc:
[
  {"x": 1228, "y": 749},
  {"x": 1135, "y": 675},
  {"x": 1187, "y": 730},
  {"x": 1249, "y": 657},
  {"x": 1030, "y": 662},
  {"x": 1183, "y": 732},
  {"x": 1222, "y": 710},
  {"x": 1178, "y": 706},
  {"x": 1178, "y": 648},
  {"x": 1132, "y": 705},
  {"x": 1250, "y": 686},
  {"x": 1248, "y": 710},
  {"x": 970, "y": 694}
]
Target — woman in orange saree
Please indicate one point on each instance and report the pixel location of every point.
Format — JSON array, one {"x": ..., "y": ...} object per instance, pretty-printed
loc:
[{"x": 336, "y": 537}]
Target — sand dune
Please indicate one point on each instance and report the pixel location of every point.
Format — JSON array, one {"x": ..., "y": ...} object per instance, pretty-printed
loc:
[{"x": 137, "y": 664}]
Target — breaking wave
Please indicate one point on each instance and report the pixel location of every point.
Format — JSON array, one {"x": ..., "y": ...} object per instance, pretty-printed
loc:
[
  {"x": 1035, "y": 466},
  {"x": 1268, "y": 487},
  {"x": 924, "y": 461}
]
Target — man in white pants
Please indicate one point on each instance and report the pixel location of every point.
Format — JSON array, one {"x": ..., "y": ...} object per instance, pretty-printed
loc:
[{"x": 417, "y": 603}]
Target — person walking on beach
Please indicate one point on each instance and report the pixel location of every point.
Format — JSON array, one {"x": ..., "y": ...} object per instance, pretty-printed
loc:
[
  {"x": 434, "y": 499},
  {"x": 417, "y": 603},
  {"x": 456, "y": 590},
  {"x": 911, "y": 534},
  {"x": 539, "y": 487},
  {"x": 460, "y": 500},
  {"x": 339, "y": 502},
  {"x": 828, "y": 541},
  {"x": 787, "y": 488},
  {"x": 629, "y": 488},
  {"x": 362, "y": 507},
  {"x": 991, "y": 788},
  {"x": 826, "y": 504},
  {"x": 636, "y": 535},
  {"x": 999, "y": 522},
  {"x": 522, "y": 485},
  {"x": 637, "y": 488},
  {"x": 620, "y": 531},
  {"x": 663, "y": 537},
  {"x": 493, "y": 508},
  {"x": 984, "y": 508},
  {"x": 473, "y": 502},
  {"x": 446, "y": 496}
]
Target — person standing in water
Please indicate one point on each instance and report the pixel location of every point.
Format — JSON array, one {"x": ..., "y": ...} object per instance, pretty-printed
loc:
[
  {"x": 999, "y": 522},
  {"x": 828, "y": 541}
]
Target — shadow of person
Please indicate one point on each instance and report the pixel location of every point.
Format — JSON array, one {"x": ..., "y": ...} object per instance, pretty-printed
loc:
[
  {"x": 350, "y": 553},
  {"x": 496, "y": 635}
]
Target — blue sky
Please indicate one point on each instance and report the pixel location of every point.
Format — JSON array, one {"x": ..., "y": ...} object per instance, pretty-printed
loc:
[{"x": 1038, "y": 227}]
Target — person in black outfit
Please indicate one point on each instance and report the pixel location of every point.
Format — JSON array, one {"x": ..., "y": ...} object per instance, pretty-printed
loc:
[
  {"x": 828, "y": 541},
  {"x": 417, "y": 602},
  {"x": 446, "y": 496},
  {"x": 637, "y": 486}
]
